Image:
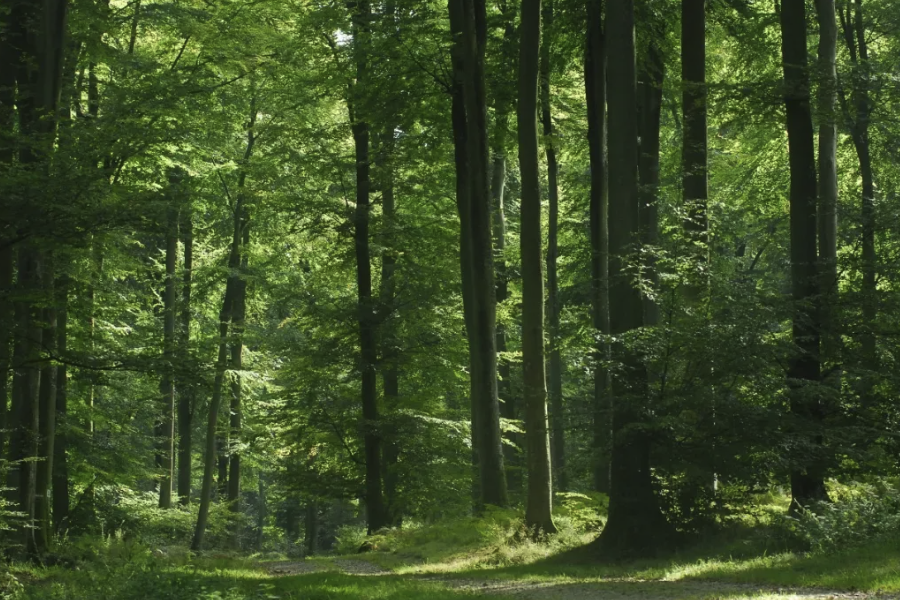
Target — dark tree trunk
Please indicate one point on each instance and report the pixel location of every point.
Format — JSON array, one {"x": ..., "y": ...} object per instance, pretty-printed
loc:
[
  {"x": 390, "y": 349},
  {"x": 595, "y": 94},
  {"x": 186, "y": 387},
  {"x": 486, "y": 404},
  {"x": 225, "y": 317},
  {"x": 539, "y": 504},
  {"x": 463, "y": 202},
  {"x": 554, "y": 364},
  {"x": 46, "y": 416},
  {"x": 808, "y": 473},
  {"x": 375, "y": 509},
  {"x": 6, "y": 328},
  {"x": 60, "y": 470},
  {"x": 636, "y": 525},
  {"x": 311, "y": 527},
  {"x": 694, "y": 117},
  {"x": 650, "y": 84}
]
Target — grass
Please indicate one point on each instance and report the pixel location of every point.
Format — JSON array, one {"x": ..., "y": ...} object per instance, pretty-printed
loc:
[{"x": 737, "y": 563}]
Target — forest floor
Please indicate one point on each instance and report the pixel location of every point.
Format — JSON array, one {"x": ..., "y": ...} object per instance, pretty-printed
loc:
[{"x": 872, "y": 571}]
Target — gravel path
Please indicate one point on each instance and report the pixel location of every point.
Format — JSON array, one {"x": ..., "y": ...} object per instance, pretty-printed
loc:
[{"x": 345, "y": 565}]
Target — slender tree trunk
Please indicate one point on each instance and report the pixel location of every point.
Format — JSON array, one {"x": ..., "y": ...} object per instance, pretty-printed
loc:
[
  {"x": 808, "y": 474},
  {"x": 60, "y": 468},
  {"x": 167, "y": 383},
  {"x": 694, "y": 116},
  {"x": 853, "y": 27},
  {"x": 8, "y": 56},
  {"x": 636, "y": 525},
  {"x": 6, "y": 329},
  {"x": 390, "y": 347},
  {"x": 554, "y": 364},
  {"x": 375, "y": 510},
  {"x": 225, "y": 317},
  {"x": 539, "y": 504},
  {"x": 485, "y": 401},
  {"x": 828, "y": 190},
  {"x": 595, "y": 94},
  {"x": 186, "y": 397},
  {"x": 311, "y": 527},
  {"x": 46, "y": 415}
]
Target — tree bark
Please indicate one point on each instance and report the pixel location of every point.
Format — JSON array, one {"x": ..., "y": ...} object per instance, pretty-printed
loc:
[
  {"x": 46, "y": 415},
  {"x": 167, "y": 383},
  {"x": 60, "y": 468},
  {"x": 595, "y": 94},
  {"x": 375, "y": 510},
  {"x": 186, "y": 396},
  {"x": 311, "y": 527},
  {"x": 486, "y": 404},
  {"x": 539, "y": 504},
  {"x": 554, "y": 364},
  {"x": 636, "y": 525},
  {"x": 808, "y": 473},
  {"x": 828, "y": 190}
]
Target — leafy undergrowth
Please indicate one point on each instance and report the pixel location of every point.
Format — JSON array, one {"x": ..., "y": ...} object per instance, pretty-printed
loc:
[{"x": 495, "y": 539}]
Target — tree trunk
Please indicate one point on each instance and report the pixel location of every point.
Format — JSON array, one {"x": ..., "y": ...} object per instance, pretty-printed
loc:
[
  {"x": 6, "y": 328},
  {"x": 167, "y": 383},
  {"x": 463, "y": 203},
  {"x": 828, "y": 191},
  {"x": 225, "y": 318},
  {"x": 539, "y": 504},
  {"x": 854, "y": 32},
  {"x": 311, "y": 527},
  {"x": 554, "y": 364},
  {"x": 186, "y": 387},
  {"x": 486, "y": 404},
  {"x": 46, "y": 416},
  {"x": 375, "y": 510},
  {"x": 595, "y": 94},
  {"x": 694, "y": 116},
  {"x": 23, "y": 442},
  {"x": 60, "y": 470},
  {"x": 636, "y": 526},
  {"x": 808, "y": 473},
  {"x": 650, "y": 82},
  {"x": 389, "y": 347}
]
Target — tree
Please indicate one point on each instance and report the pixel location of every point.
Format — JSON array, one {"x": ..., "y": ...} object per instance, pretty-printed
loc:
[
  {"x": 807, "y": 475},
  {"x": 538, "y": 509},
  {"x": 635, "y": 525}
]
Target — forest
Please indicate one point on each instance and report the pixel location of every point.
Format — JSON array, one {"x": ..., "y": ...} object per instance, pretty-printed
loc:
[{"x": 388, "y": 299}]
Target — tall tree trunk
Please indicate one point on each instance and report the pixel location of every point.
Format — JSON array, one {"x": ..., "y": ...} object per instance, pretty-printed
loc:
[
  {"x": 390, "y": 345},
  {"x": 375, "y": 510},
  {"x": 311, "y": 528},
  {"x": 808, "y": 474},
  {"x": 636, "y": 525},
  {"x": 225, "y": 317},
  {"x": 485, "y": 401},
  {"x": 463, "y": 203},
  {"x": 23, "y": 443},
  {"x": 595, "y": 94},
  {"x": 167, "y": 383},
  {"x": 6, "y": 329},
  {"x": 8, "y": 56},
  {"x": 60, "y": 468},
  {"x": 650, "y": 82},
  {"x": 828, "y": 190},
  {"x": 694, "y": 116},
  {"x": 186, "y": 397},
  {"x": 554, "y": 364},
  {"x": 239, "y": 311},
  {"x": 46, "y": 415},
  {"x": 854, "y": 31},
  {"x": 539, "y": 504}
]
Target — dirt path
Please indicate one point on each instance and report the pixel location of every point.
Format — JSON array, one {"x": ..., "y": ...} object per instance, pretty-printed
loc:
[{"x": 599, "y": 590}]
